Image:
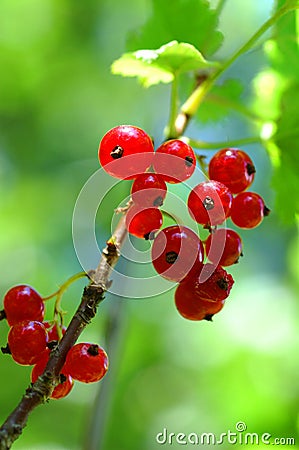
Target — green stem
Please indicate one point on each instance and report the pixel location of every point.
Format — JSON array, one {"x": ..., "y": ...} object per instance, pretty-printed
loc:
[
  {"x": 215, "y": 145},
  {"x": 220, "y": 6},
  {"x": 232, "y": 104},
  {"x": 66, "y": 284},
  {"x": 170, "y": 131},
  {"x": 190, "y": 107}
]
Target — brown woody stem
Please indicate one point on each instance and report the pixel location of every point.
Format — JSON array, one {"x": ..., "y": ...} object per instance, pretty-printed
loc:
[{"x": 93, "y": 294}]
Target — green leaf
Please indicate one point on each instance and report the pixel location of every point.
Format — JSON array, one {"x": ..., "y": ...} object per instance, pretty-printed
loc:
[
  {"x": 286, "y": 179},
  {"x": 220, "y": 100},
  {"x": 283, "y": 49},
  {"x": 277, "y": 97},
  {"x": 161, "y": 65},
  {"x": 190, "y": 21}
]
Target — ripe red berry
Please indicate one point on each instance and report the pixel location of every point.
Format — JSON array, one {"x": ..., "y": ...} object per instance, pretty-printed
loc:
[
  {"x": 149, "y": 189},
  {"x": 213, "y": 283},
  {"x": 224, "y": 247},
  {"x": 175, "y": 251},
  {"x": 126, "y": 151},
  {"x": 143, "y": 223},
  {"x": 52, "y": 331},
  {"x": 191, "y": 306},
  {"x": 22, "y": 302},
  {"x": 87, "y": 362},
  {"x": 66, "y": 382},
  {"x": 26, "y": 341},
  {"x": 232, "y": 167},
  {"x": 248, "y": 210},
  {"x": 175, "y": 161},
  {"x": 209, "y": 203}
]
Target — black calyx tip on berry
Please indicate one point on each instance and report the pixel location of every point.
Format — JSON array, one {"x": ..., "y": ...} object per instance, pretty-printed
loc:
[
  {"x": 52, "y": 344},
  {"x": 62, "y": 378},
  {"x": 149, "y": 236},
  {"x": 208, "y": 203},
  {"x": 209, "y": 317},
  {"x": 189, "y": 161},
  {"x": 266, "y": 211},
  {"x": 6, "y": 350},
  {"x": 93, "y": 350},
  {"x": 222, "y": 284},
  {"x": 250, "y": 168},
  {"x": 117, "y": 152},
  {"x": 2, "y": 314},
  {"x": 171, "y": 257},
  {"x": 158, "y": 201}
]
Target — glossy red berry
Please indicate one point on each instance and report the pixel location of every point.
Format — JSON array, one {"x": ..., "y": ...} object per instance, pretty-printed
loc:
[
  {"x": 224, "y": 247},
  {"x": 232, "y": 167},
  {"x": 149, "y": 189},
  {"x": 26, "y": 341},
  {"x": 210, "y": 203},
  {"x": 52, "y": 331},
  {"x": 175, "y": 161},
  {"x": 126, "y": 151},
  {"x": 87, "y": 362},
  {"x": 22, "y": 302},
  {"x": 248, "y": 210},
  {"x": 175, "y": 251},
  {"x": 143, "y": 223},
  {"x": 191, "y": 306},
  {"x": 66, "y": 382}
]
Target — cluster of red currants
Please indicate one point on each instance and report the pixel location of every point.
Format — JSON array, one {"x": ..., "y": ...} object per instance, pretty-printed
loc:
[
  {"x": 178, "y": 254},
  {"x": 31, "y": 339}
]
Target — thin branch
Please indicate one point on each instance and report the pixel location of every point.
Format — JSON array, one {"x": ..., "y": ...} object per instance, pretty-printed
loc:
[
  {"x": 222, "y": 144},
  {"x": 192, "y": 104},
  {"x": 220, "y": 6},
  {"x": 93, "y": 294}
]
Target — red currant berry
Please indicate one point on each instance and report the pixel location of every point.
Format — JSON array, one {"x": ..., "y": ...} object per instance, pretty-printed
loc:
[
  {"x": 233, "y": 168},
  {"x": 213, "y": 283},
  {"x": 66, "y": 382},
  {"x": 143, "y": 223},
  {"x": 175, "y": 251},
  {"x": 191, "y": 306},
  {"x": 126, "y": 151},
  {"x": 86, "y": 362},
  {"x": 149, "y": 189},
  {"x": 209, "y": 203},
  {"x": 52, "y": 331},
  {"x": 248, "y": 210},
  {"x": 175, "y": 161},
  {"x": 26, "y": 341},
  {"x": 23, "y": 303},
  {"x": 224, "y": 247}
]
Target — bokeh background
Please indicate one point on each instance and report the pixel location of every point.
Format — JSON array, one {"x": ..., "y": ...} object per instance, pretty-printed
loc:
[{"x": 57, "y": 99}]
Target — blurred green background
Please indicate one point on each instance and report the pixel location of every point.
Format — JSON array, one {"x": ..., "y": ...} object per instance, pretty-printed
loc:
[{"x": 57, "y": 99}]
